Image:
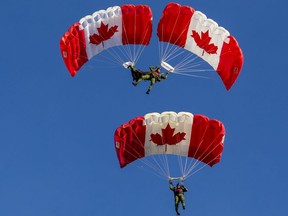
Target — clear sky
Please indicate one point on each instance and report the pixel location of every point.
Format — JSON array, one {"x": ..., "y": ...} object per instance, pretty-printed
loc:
[{"x": 57, "y": 153}]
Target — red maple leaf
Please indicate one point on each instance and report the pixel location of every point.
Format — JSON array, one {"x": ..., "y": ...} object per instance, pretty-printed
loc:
[
  {"x": 204, "y": 42},
  {"x": 103, "y": 34},
  {"x": 167, "y": 137}
]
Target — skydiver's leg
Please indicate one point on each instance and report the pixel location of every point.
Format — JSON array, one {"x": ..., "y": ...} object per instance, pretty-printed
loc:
[
  {"x": 138, "y": 81},
  {"x": 143, "y": 77},
  {"x": 134, "y": 72},
  {"x": 132, "y": 68},
  {"x": 152, "y": 82},
  {"x": 182, "y": 199},
  {"x": 177, "y": 204}
]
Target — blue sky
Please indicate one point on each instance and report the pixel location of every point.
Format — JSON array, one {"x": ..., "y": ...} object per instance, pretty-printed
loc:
[{"x": 57, "y": 153}]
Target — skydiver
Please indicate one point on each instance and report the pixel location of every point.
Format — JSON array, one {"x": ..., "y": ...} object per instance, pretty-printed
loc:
[
  {"x": 153, "y": 75},
  {"x": 179, "y": 191}
]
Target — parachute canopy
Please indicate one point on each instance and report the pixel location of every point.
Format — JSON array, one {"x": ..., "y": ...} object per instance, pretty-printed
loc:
[
  {"x": 170, "y": 133},
  {"x": 118, "y": 25},
  {"x": 188, "y": 41},
  {"x": 192, "y": 30}
]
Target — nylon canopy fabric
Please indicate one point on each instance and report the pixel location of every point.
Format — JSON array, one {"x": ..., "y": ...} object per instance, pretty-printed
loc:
[
  {"x": 185, "y": 27},
  {"x": 182, "y": 133},
  {"x": 116, "y": 26}
]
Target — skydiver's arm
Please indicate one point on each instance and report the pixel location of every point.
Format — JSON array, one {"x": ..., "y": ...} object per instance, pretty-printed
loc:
[
  {"x": 171, "y": 186},
  {"x": 184, "y": 188},
  {"x": 151, "y": 68},
  {"x": 164, "y": 76}
]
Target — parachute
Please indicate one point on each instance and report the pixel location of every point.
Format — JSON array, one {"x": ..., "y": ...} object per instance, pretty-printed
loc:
[
  {"x": 195, "y": 140},
  {"x": 104, "y": 29},
  {"x": 185, "y": 37},
  {"x": 191, "y": 30}
]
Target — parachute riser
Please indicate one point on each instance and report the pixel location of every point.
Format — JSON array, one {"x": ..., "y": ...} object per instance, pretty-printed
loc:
[{"x": 176, "y": 178}]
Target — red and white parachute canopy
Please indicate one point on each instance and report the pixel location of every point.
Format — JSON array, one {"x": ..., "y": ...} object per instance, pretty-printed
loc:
[
  {"x": 193, "y": 31},
  {"x": 185, "y": 37},
  {"x": 194, "y": 139},
  {"x": 116, "y": 26}
]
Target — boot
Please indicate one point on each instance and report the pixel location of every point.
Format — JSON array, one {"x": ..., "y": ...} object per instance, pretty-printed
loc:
[
  {"x": 148, "y": 91},
  {"x": 134, "y": 83}
]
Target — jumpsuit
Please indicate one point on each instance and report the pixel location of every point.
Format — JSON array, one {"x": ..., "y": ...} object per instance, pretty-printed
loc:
[
  {"x": 178, "y": 195},
  {"x": 152, "y": 75}
]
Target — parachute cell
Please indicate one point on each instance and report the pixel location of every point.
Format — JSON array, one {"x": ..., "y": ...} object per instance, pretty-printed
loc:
[
  {"x": 119, "y": 25},
  {"x": 170, "y": 133},
  {"x": 192, "y": 30}
]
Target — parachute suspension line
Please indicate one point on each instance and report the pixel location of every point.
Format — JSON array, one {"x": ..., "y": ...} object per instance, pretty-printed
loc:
[
  {"x": 180, "y": 162},
  {"x": 158, "y": 169},
  {"x": 190, "y": 173},
  {"x": 135, "y": 28},
  {"x": 186, "y": 65},
  {"x": 171, "y": 49},
  {"x": 153, "y": 169},
  {"x": 185, "y": 68},
  {"x": 204, "y": 165},
  {"x": 147, "y": 163},
  {"x": 125, "y": 51},
  {"x": 150, "y": 171},
  {"x": 122, "y": 51},
  {"x": 166, "y": 163},
  {"x": 141, "y": 47},
  {"x": 167, "y": 47},
  {"x": 134, "y": 55},
  {"x": 116, "y": 57},
  {"x": 185, "y": 168},
  {"x": 190, "y": 75},
  {"x": 141, "y": 145},
  {"x": 140, "y": 51},
  {"x": 189, "y": 58},
  {"x": 163, "y": 159},
  {"x": 112, "y": 52},
  {"x": 174, "y": 52},
  {"x": 191, "y": 166},
  {"x": 201, "y": 156},
  {"x": 163, "y": 52},
  {"x": 168, "y": 52},
  {"x": 177, "y": 51},
  {"x": 181, "y": 168},
  {"x": 130, "y": 53}
]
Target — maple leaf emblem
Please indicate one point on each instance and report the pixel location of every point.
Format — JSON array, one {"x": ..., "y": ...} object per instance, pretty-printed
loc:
[
  {"x": 203, "y": 42},
  {"x": 167, "y": 137},
  {"x": 103, "y": 34}
]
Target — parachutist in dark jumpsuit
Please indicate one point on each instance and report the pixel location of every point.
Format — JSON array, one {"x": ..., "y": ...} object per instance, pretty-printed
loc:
[
  {"x": 153, "y": 75},
  {"x": 178, "y": 195}
]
